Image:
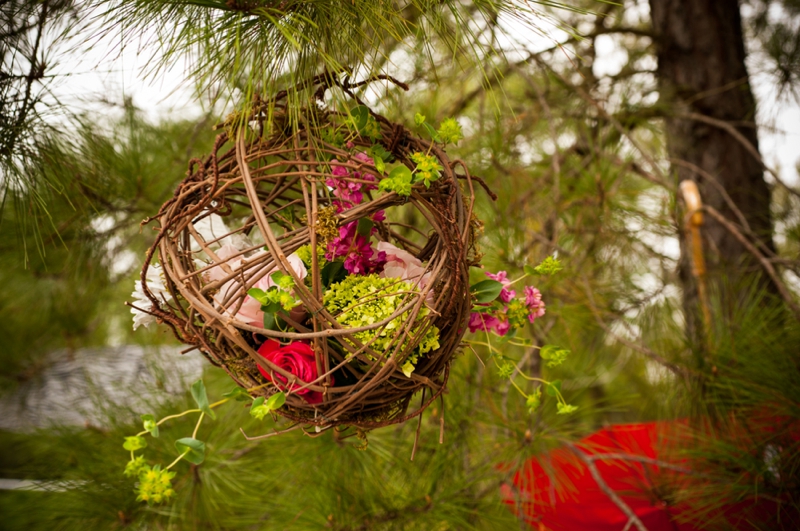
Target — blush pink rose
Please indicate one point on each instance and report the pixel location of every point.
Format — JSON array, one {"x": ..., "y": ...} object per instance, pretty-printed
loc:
[
  {"x": 250, "y": 312},
  {"x": 296, "y": 358},
  {"x": 403, "y": 265}
]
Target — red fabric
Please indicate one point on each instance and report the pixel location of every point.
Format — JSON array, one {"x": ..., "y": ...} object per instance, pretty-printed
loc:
[{"x": 556, "y": 492}]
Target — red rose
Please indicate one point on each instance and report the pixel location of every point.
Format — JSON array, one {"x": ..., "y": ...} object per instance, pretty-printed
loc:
[{"x": 296, "y": 358}]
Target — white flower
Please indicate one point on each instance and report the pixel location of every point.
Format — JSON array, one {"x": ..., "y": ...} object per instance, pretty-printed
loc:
[
  {"x": 155, "y": 283},
  {"x": 212, "y": 228}
]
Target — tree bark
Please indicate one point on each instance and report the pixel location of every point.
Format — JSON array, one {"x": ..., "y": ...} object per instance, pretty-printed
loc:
[{"x": 701, "y": 70}]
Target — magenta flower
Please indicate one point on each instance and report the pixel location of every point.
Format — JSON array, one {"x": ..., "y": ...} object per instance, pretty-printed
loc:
[
  {"x": 534, "y": 302},
  {"x": 348, "y": 192},
  {"x": 484, "y": 322},
  {"x": 500, "y": 276},
  {"x": 356, "y": 250}
]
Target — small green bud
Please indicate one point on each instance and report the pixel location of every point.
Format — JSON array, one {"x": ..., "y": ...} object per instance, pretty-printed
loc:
[
  {"x": 134, "y": 443},
  {"x": 566, "y": 409}
]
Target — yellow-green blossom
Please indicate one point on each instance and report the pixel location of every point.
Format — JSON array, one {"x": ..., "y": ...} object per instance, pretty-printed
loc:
[
  {"x": 135, "y": 467},
  {"x": 428, "y": 168},
  {"x": 155, "y": 485},
  {"x": 450, "y": 131}
]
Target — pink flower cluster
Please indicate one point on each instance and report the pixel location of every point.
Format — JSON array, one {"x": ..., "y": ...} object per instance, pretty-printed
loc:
[
  {"x": 485, "y": 322},
  {"x": 507, "y": 311},
  {"x": 356, "y": 250},
  {"x": 346, "y": 189},
  {"x": 534, "y": 303}
]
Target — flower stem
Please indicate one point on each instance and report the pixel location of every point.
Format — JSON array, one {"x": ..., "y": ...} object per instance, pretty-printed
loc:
[
  {"x": 175, "y": 416},
  {"x": 177, "y": 459},
  {"x": 197, "y": 426}
]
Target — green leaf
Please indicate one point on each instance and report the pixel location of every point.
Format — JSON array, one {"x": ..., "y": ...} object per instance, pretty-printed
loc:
[
  {"x": 269, "y": 320},
  {"x": 378, "y": 152},
  {"x": 365, "y": 227},
  {"x": 282, "y": 280},
  {"x": 276, "y": 401},
  {"x": 258, "y": 294},
  {"x": 554, "y": 388},
  {"x": 400, "y": 172},
  {"x": 195, "y": 450},
  {"x": 134, "y": 443},
  {"x": 529, "y": 270},
  {"x": 432, "y": 132},
  {"x": 258, "y": 409},
  {"x": 150, "y": 424},
  {"x": 199, "y": 395},
  {"x": 238, "y": 394},
  {"x": 486, "y": 290},
  {"x": 359, "y": 116},
  {"x": 332, "y": 273},
  {"x": 271, "y": 307},
  {"x": 380, "y": 165}
]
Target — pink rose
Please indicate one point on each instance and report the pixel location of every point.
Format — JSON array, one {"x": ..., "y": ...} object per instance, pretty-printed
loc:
[
  {"x": 250, "y": 312},
  {"x": 296, "y": 358},
  {"x": 403, "y": 265}
]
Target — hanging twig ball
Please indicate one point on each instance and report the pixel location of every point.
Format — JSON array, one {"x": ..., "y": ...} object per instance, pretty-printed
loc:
[{"x": 340, "y": 273}]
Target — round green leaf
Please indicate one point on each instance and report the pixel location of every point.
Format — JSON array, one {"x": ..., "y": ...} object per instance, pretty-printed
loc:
[
  {"x": 276, "y": 401},
  {"x": 195, "y": 450},
  {"x": 486, "y": 290}
]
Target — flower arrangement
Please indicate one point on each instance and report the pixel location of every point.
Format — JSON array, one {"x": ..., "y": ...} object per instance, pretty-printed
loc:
[{"x": 287, "y": 260}]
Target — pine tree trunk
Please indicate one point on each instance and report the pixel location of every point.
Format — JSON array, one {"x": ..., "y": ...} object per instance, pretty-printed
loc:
[{"x": 701, "y": 69}]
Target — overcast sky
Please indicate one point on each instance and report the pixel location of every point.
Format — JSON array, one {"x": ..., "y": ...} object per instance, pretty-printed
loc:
[{"x": 103, "y": 74}]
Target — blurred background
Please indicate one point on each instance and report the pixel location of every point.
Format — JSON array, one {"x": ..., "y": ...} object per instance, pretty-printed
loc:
[{"x": 582, "y": 116}]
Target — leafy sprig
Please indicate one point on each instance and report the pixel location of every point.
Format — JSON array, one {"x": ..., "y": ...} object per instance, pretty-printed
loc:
[{"x": 154, "y": 483}]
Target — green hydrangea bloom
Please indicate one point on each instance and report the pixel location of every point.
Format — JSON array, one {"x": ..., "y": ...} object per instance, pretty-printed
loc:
[
  {"x": 428, "y": 168},
  {"x": 155, "y": 485},
  {"x": 360, "y": 300}
]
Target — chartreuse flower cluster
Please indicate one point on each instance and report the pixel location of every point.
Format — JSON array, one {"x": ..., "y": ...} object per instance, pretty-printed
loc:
[
  {"x": 427, "y": 169},
  {"x": 365, "y": 300},
  {"x": 154, "y": 483},
  {"x": 499, "y": 313}
]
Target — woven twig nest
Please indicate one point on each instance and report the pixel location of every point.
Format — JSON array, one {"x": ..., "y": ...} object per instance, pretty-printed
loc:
[{"x": 285, "y": 190}]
